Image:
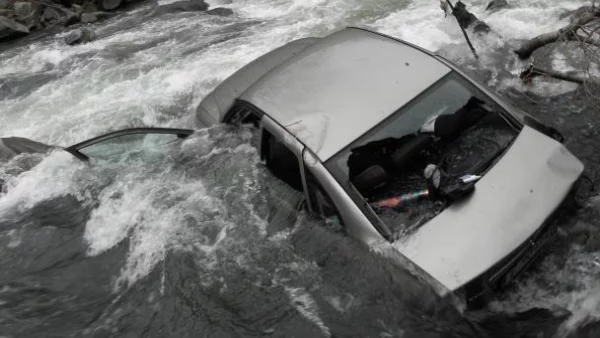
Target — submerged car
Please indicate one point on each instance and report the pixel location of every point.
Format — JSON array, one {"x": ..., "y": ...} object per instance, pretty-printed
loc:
[
  {"x": 354, "y": 119},
  {"x": 396, "y": 144}
]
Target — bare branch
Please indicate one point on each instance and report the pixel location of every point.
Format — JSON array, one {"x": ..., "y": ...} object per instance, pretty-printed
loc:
[
  {"x": 566, "y": 32},
  {"x": 533, "y": 71}
]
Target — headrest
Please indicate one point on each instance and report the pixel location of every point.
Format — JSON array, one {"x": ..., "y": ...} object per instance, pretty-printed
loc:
[{"x": 370, "y": 179}]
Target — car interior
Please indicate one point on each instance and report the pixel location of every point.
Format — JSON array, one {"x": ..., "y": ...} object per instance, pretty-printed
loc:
[
  {"x": 452, "y": 130},
  {"x": 395, "y": 175}
]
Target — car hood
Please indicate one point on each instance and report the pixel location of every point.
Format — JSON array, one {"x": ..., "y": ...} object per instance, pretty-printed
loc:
[{"x": 509, "y": 204}]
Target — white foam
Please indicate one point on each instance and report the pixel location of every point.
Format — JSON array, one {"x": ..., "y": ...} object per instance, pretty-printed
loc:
[
  {"x": 307, "y": 307},
  {"x": 152, "y": 212},
  {"x": 180, "y": 59},
  {"x": 572, "y": 286},
  {"x": 15, "y": 238},
  {"x": 51, "y": 178}
]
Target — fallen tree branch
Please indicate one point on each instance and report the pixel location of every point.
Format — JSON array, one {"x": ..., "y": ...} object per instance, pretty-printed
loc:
[
  {"x": 456, "y": 15},
  {"x": 568, "y": 32},
  {"x": 530, "y": 72}
]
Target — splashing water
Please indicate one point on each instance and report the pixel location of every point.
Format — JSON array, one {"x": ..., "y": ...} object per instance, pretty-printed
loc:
[{"x": 197, "y": 240}]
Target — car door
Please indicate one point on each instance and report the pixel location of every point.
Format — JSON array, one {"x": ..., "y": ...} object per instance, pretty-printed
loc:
[
  {"x": 281, "y": 154},
  {"x": 140, "y": 140},
  {"x": 329, "y": 199}
]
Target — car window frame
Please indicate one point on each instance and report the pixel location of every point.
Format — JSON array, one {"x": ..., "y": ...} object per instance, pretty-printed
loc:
[
  {"x": 351, "y": 189},
  {"x": 355, "y": 220},
  {"x": 289, "y": 141},
  {"x": 231, "y": 117},
  {"x": 75, "y": 149},
  {"x": 314, "y": 206}
]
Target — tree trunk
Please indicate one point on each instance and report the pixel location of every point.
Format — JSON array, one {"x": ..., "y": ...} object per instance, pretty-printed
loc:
[{"x": 568, "y": 32}]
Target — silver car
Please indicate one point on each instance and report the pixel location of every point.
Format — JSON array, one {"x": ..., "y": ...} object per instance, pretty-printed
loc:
[
  {"x": 399, "y": 145},
  {"x": 396, "y": 147}
]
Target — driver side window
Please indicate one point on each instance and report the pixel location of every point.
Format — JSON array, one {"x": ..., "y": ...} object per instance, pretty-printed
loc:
[
  {"x": 281, "y": 161},
  {"x": 322, "y": 205},
  {"x": 286, "y": 194}
]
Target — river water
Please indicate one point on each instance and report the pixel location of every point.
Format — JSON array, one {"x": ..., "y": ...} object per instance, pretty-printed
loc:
[{"x": 185, "y": 243}]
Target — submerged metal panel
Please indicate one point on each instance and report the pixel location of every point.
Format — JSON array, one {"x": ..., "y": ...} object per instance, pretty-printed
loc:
[
  {"x": 13, "y": 146},
  {"x": 509, "y": 204},
  {"x": 340, "y": 87}
]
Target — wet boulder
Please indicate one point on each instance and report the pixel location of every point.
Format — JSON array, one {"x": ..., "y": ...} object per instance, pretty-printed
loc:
[
  {"x": 50, "y": 16},
  {"x": 88, "y": 17},
  {"x": 495, "y": 5},
  {"x": 220, "y": 11},
  {"x": 54, "y": 15},
  {"x": 79, "y": 36},
  {"x": 109, "y": 5},
  {"x": 23, "y": 10},
  {"x": 182, "y": 6},
  {"x": 10, "y": 28}
]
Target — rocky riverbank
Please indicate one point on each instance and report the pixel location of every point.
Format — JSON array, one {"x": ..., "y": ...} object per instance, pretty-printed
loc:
[{"x": 20, "y": 18}]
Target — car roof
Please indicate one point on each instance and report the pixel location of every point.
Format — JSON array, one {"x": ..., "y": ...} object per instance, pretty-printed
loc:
[{"x": 342, "y": 86}]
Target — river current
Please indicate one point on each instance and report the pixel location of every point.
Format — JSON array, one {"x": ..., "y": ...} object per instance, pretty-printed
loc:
[{"x": 185, "y": 243}]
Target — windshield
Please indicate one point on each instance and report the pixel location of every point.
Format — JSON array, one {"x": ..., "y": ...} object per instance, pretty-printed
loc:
[
  {"x": 445, "y": 97},
  {"x": 452, "y": 128}
]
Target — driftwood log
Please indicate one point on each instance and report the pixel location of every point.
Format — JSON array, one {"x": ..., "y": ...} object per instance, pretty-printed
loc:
[
  {"x": 532, "y": 71},
  {"x": 584, "y": 28},
  {"x": 568, "y": 32}
]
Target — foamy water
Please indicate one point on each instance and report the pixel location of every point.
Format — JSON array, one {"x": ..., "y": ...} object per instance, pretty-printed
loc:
[{"x": 156, "y": 72}]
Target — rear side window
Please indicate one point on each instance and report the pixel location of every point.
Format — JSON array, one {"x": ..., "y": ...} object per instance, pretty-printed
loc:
[
  {"x": 322, "y": 205},
  {"x": 320, "y": 201},
  {"x": 243, "y": 113},
  {"x": 281, "y": 161}
]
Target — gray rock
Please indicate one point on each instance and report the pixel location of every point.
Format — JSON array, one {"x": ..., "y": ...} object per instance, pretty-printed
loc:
[
  {"x": 182, "y": 6},
  {"x": 74, "y": 37},
  {"x": 221, "y": 11},
  {"x": 51, "y": 15},
  {"x": 103, "y": 15},
  {"x": 23, "y": 10},
  {"x": 495, "y": 5},
  {"x": 27, "y": 13},
  {"x": 593, "y": 242},
  {"x": 90, "y": 6},
  {"x": 80, "y": 35},
  {"x": 109, "y": 5},
  {"x": 577, "y": 14},
  {"x": 594, "y": 202},
  {"x": 13, "y": 25},
  {"x": 77, "y": 9},
  {"x": 69, "y": 17},
  {"x": 5, "y": 4},
  {"x": 88, "y": 17}
]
